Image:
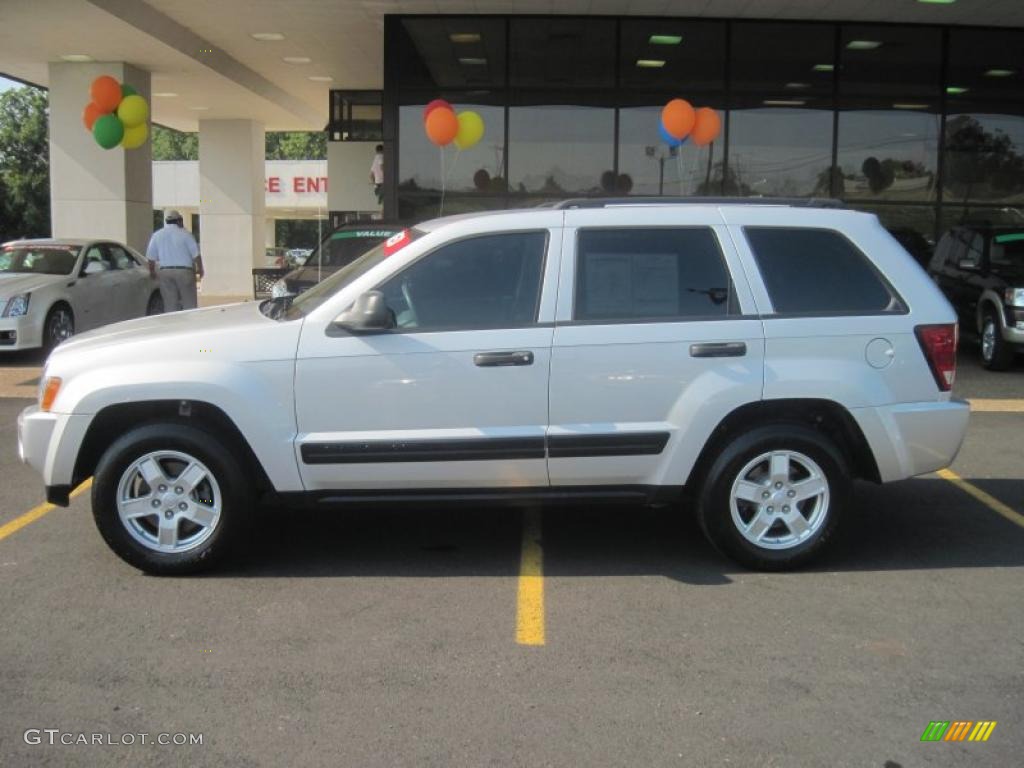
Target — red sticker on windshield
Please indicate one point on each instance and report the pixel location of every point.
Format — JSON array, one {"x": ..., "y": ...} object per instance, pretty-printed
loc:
[{"x": 397, "y": 242}]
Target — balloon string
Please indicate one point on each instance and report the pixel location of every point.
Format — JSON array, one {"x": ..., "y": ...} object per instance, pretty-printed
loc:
[
  {"x": 679, "y": 169},
  {"x": 440, "y": 209}
]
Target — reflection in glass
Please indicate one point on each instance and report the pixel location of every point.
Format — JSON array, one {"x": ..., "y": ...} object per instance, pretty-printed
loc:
[
  {"x": 662, "y": 53},
  {"x": 888, "y": 154},
  {"x": 423, "y": 168},
  {"x": 450, "y": 52},
  {"x": 648, "y": 167},
  {"x": 559, "y": 52},
  {"x": 785, "y": 152},
  {"x": 984, "y": 158},
  {"x": 562, "y": 150}
]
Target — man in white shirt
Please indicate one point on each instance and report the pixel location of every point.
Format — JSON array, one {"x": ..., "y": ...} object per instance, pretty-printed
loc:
[
  {"x": 377, "y": 173},
  {"x": 174, "y": 259}
]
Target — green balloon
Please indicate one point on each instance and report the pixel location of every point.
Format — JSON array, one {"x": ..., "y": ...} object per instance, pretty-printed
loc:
[
  {"x": 127, "y": 90},
  {"x": 108, "y": 131}
]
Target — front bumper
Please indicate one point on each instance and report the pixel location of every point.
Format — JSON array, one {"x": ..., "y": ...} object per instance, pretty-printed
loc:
[
  {"x": 914, "y": 438},
  {"x": 1013, "y": 328},
  {"x": 20, "y": 333},
  {"x": 49, "y": 443}
]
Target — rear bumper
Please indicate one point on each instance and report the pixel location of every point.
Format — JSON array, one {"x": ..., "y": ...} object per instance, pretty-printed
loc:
[{"x": 914, "y": 438}]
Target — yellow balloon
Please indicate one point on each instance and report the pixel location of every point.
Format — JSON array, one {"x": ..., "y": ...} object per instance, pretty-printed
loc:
[
  {"x": 471, "y": 129},
  {"x": 133, "y": 110},
  {"x": 135, "y": 137}
]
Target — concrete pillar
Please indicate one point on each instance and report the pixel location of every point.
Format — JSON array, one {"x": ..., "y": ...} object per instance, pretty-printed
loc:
[
  {"x": 231, "y": 204},
  {"x": 271, "y": 233},
  {"x": 95, "y": 192}
]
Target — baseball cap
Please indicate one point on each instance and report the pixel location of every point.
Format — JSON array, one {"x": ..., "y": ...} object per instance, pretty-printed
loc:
[{"x": 173, "y": 215}]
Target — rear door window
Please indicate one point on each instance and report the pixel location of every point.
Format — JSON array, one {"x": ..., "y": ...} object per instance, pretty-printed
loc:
[
  {"x": 666, "y": 274},
  {"x": 818, "y": 272}
]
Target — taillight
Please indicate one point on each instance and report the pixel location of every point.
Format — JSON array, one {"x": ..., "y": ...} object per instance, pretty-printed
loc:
[{"x": 938, "y": 342}]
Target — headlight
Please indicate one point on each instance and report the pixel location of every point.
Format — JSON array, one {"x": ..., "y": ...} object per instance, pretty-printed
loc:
[
  {"x": 279, "y": 290},
  {"x": 17, "y": 305},
  {"x": 1014, "y": 297}
]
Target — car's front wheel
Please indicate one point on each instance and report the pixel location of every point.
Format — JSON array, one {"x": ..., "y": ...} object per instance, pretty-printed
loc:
[
  {"x": 167, "y": 498},
  {"x": 155, "y": 305},
  {"x": 773, "y": 496},
  {"x": 59, "y": 325},
  {"x": 996, "y": 354}
]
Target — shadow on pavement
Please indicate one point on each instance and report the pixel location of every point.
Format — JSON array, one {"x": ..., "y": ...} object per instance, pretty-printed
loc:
[{"x": 913, "y": 525}]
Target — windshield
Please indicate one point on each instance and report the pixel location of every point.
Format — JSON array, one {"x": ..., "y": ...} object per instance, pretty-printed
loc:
[
  {"x": 306, "y": 302},
  {"x": 38, "y": 259},
  {"x": 1008, "y": 249},
  {"x": 344, "y": 247}
]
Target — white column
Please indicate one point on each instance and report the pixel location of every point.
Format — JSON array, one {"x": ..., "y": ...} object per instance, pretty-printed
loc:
[
  {"x": 271, "y": 233},
  {"x": 231, "y": 204},
  {"x": 96, "y": 192}
]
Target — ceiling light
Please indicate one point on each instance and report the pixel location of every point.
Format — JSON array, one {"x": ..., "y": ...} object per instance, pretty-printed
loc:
[
  {"x": 76, "y": 57},
  {"x": 165, "y": 94},
  {"x": 1000, "y": 72},
  {"x": 910, "y": 106},
  {"x": 267, "y": 36},
  {"x": 784, "y": 102},
  {"x": 798, "y": 85},
  {"x": 665, "y": 39},
  {"x": 472, "y": 61},
  {"x": 321, "y": 78},
  {"x": 650, "y": 63},
  {"x": 937, "y": 2},
  {"x": 863, "y": 45},
  {"x": 296, "y": 59},
  {"x": 956, "y": 90},
  {"x": 824, "y": 67},
  {"x": 464, "y": 38}
]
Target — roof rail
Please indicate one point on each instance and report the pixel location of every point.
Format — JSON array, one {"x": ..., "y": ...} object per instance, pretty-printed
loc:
[{"x": 606, "y": 202}]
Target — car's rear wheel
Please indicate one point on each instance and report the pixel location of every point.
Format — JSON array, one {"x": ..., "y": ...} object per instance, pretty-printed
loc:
[
  {"x": 59, "y": 326},
  {"x": 996, "y": 354},
  {"x": 155, "y": 305},
  {"x": 167, "y": 498},
  {"x": 773, "y": 496}
]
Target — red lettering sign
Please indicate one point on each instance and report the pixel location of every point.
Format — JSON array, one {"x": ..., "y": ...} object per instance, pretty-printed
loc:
[
  {"x": 298, "y": 184},
  {"x": 274, "y": 184}
]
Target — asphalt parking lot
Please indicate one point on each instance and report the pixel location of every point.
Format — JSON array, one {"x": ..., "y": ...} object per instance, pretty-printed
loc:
[{"x": 562, "y": 637}]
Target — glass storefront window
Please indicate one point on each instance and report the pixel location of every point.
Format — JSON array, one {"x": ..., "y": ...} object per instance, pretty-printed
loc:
[
  {"x": 450, "y": 51},
  {"x": 985, "y": 64},
  {"x": 672, "y": 54},
  {"x": 559, "y": 52},
  {"x": 577, "y": 159},
  {"x": 984, "y": 159},
  {"x": 888, "y": 155},
  {"x": 424, "y": 169}
]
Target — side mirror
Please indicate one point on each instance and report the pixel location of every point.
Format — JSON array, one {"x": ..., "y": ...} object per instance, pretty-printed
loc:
[
  {"x": 369, "y": 313},
  {"x": 93, "y": 267}
]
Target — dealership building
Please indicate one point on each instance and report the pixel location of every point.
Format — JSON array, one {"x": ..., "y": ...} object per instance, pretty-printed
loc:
[{"x": 912, "y": 110}]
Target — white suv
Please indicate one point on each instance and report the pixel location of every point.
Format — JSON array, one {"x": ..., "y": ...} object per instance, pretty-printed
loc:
[{"x": 759, "y": 356}]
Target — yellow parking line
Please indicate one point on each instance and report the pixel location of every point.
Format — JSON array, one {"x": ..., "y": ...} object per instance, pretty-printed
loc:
[
  {"x": 530, "y": 602},
  {"x": 985, "y": 498},
  {"x": 996, "y": 405},
  {"x": 35, "y": 513}
]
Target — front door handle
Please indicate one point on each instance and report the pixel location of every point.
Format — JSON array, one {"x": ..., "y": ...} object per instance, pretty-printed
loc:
[
  {"x": 719, "y": 349},
  {"x": 500, "y": 359}
]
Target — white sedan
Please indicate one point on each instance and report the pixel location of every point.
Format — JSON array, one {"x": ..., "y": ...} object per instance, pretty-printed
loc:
[{"x": 51, "y": 289}]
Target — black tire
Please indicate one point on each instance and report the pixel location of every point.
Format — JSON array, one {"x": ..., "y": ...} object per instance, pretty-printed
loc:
[
  {"x": 58, "y": 326},
  {"x": 155, "y": 306},
  {"x": 236, "y": 497},
  {"x": 1000, "y": 355},
  {"x": 714, "y": 507}
]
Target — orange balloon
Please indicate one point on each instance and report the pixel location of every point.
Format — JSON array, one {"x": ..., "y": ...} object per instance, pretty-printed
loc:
[
  {"x": 89, "y": 114},
  {"x": 707, "y": 126},
  {"x": 442, "y": 126},
  {"x": 106, "y": 93},
  {"x": 677, "y": 117}
]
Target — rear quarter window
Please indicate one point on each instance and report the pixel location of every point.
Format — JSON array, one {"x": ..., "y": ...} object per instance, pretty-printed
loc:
[{"x": 818, "y": 272}]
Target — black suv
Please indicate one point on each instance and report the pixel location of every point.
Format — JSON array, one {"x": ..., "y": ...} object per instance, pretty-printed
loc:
[{"x": 980, "y": 268}]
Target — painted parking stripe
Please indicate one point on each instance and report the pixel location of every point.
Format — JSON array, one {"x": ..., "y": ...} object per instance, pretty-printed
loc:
[
  {"x": 996, "y": 405},
  {"x": 35, "y": 513},
  {"x": 530, "y": 600},
  {"x": 987, "y": 499}
]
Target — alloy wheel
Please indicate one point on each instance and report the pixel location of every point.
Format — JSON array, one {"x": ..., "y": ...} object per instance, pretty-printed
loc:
[{"x": 988, "y": 339}]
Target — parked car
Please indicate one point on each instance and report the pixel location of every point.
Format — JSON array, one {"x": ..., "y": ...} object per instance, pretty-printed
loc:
[
  {"x": 980, "y": 268},
  {"x": 340, "y": 248},
  {"x": 758, "y": 356},
  {"x": 50, "y": 289}
]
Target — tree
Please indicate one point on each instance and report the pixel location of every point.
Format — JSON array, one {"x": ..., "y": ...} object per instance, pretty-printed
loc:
[
  {"x": 169, "y": 144},
  {"x": 24, "y": 164},
  {"x": 296, "y": 145}
]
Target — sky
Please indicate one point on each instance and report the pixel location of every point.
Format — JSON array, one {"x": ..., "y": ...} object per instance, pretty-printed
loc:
[{"x": 6, "y": 84}]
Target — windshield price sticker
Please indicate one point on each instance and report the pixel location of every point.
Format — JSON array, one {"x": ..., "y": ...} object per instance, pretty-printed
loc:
[{"x": 397, "y": 242}]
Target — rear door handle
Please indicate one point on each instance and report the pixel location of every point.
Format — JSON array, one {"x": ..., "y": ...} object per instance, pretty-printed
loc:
[
  {"x": 499, "y": 359},
  {"x": 719, "y": 349}
]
